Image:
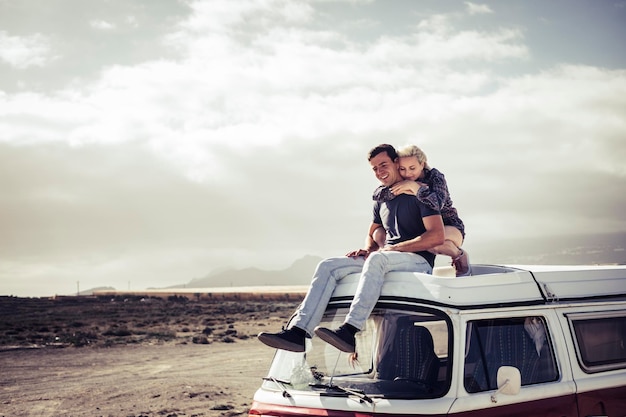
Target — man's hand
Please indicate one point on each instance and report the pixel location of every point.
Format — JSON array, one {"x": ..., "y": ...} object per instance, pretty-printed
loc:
[
  {"x": 359, "y": 252},
  {"x": 406, "y": 187},
  {"x": 433, "y": 236}
]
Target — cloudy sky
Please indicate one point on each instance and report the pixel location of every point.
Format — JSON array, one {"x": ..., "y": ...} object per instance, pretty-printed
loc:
[{"x": 144, "y": 143}]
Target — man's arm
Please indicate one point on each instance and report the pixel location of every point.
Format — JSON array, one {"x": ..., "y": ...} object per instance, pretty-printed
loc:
[
  {"x": 433, "y": 236},
  {"x": 370, "y": 243}
]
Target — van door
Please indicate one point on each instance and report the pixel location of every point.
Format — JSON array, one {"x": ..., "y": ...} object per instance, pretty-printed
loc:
[
  {"x": 525, "y": 342},
  {"x": 599, "y": 339}
]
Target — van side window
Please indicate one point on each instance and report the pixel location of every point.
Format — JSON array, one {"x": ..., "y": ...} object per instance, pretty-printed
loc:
[
  {"x": 600, "y": 341},
  {"x": 522, "y": 342}
]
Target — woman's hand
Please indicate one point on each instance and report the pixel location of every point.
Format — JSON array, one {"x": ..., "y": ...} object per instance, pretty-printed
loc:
[{"x": 406, "y": 187}]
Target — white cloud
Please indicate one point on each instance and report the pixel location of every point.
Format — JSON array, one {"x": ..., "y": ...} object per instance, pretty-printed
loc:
[
  {"x": 102, "y": 25},
  {"x": 575, "y": 109},
  {"x": 262, "y": 110},
  {"x": 132, "y": 21},
  {"x": 474, "y": 8},
  {"x": 221, "y": 16},
  {"x": 438, "y": 40},
  {"x": 25, "y": 51},
  {"x": 290, "y": 84}
]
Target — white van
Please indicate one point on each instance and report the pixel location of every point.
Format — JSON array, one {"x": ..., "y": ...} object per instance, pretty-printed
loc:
[{"x": 507, "y": 341}]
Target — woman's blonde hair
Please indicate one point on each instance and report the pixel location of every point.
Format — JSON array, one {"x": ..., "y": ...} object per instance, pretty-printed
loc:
[{"x": 412, "y": 150}]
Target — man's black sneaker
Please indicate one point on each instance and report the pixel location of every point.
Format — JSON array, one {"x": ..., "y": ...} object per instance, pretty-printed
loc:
[
  {"x": 342, "y": 338},
  {"x": 290, "y": 339}
]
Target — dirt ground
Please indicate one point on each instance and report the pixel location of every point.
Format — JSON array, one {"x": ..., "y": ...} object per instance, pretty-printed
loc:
[{"x": 102, "y": 358}]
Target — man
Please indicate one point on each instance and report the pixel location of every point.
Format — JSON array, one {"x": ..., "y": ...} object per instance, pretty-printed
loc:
[{"x": 412, "y": 228}]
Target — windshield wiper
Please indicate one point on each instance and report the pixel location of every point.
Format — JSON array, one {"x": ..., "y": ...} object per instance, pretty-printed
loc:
[
  {"x": 357, "y": 393},
  {"x": 280, "y": 384}
]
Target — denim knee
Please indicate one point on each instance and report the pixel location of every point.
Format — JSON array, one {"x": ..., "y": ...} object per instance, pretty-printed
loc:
[{"x": 377, "y": 260}]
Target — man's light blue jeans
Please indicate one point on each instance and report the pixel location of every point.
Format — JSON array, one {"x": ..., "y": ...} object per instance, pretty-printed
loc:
[{"x": 330, "y": 271}]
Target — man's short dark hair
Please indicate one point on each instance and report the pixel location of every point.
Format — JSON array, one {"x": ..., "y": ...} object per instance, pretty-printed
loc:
[{"x": 390, "y": 150}]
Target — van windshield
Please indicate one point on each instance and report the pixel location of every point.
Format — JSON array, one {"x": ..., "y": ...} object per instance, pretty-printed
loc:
[{"x": 399, "y": 354}]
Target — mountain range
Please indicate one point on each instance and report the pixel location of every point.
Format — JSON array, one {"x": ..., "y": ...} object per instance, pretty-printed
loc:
[
  {"x": 299, "y": 273},
  {"x": 559, "y": 250}
]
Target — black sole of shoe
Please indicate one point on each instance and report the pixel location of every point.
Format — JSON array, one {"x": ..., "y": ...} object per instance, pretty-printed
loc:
[
  {"x": 329, "y": 337},
  {"x": 281, "y": 344}
]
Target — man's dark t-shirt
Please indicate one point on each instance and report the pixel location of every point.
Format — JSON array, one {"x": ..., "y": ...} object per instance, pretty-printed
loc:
[{"x": 402, "y": 220}]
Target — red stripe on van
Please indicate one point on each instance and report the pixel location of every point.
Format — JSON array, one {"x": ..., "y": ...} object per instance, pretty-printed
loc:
[
  {"x": 609, "y": 401},
  {"x": 261, "y": 409},
  {"x": 564, "y": 406}
]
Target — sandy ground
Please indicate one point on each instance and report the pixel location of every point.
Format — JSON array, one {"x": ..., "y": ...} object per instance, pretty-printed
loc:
[
  {"x": 163, "y": 380},
  {"x": 162, "y": 371}
]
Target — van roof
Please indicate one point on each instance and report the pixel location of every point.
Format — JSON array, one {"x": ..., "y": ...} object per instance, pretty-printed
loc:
[{"x": 498, "y": 285}]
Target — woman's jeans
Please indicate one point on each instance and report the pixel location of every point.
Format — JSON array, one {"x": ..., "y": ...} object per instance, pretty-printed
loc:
[{"x": 330, "y": 271}]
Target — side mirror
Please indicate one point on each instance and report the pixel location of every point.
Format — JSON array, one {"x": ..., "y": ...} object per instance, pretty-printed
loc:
[{"x": 509, "y": 382}]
